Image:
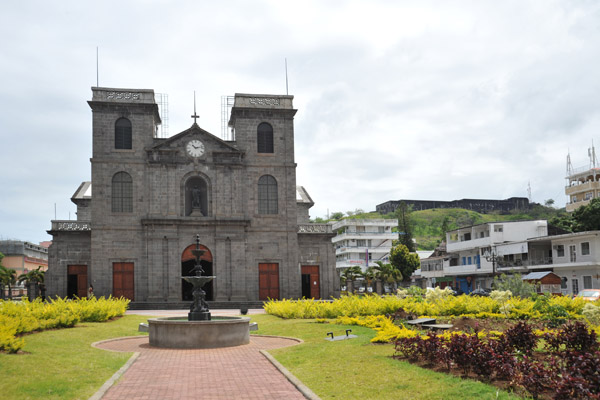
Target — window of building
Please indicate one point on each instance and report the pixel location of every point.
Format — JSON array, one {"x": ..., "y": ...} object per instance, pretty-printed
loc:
[
  {"x": 563, "y": 282},
  {"x": 498, "y": 228},
  {"x": 560, "y": 250},
  {"x": 123, "y": 134},
  {"x": 361, "y": 243},
  {"x": 122, "y": 192},
  {"x": 267, "y": 195},
  {"x": 575, "y": 285},
  {"x": 589, "y": 195},
  {"x": 469, "y": 260},
  {"x": 585, "y": 250},
  {"x": 587, "y": 282},
  {"x": 464, "y": 261},
  {"x": 264, "y": 138}
]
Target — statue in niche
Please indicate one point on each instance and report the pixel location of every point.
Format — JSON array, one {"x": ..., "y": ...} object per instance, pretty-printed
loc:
[{"x": 196, "y": 192}]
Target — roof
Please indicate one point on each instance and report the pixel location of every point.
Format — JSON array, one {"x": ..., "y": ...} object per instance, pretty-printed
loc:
[
  {"x": 536, "y": 275},
  {"x": 302, "y": 196},
  {"x": 83, "y": 192}
]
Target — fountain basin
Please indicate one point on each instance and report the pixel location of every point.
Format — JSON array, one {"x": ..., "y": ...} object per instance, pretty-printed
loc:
[{"x": 178, "y": 333}]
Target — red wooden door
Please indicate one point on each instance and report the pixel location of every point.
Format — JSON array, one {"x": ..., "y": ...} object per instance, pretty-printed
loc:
[
  {"x": 268, "y": 281},
  {"x": 81, "y": 272},
  {"x": 123, "y": 280},
  {"x": 315, "y": 286}
]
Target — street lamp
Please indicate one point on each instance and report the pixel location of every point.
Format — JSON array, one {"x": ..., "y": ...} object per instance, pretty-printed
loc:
[{"x": 493, "y": 258}]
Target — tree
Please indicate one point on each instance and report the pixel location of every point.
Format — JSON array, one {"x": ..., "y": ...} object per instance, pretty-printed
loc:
[
  {"x": 405, "y": 226},
  {"x": 587, "y": 218},
  {"x": 337, "y": 215},
  {"x": 387, "y": 273},
  {"x": 445, "y": 227},
  {"x": 549, "y": 202},
  {"x": 516, "y": 285},
  {"x": 8, "y": 276},
  {"x": 405, "y": 261},
  {"x": 350, "y": 274},
  {"x": 33, "y": 276}
]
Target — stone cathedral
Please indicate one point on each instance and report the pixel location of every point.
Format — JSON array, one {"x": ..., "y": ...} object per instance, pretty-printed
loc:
[{"x": 149, "y": 197}]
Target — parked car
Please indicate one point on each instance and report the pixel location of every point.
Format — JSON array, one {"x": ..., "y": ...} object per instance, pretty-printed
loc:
[
  {"x": 590, "y": 294},
  {"x": 479, "y": 292}
]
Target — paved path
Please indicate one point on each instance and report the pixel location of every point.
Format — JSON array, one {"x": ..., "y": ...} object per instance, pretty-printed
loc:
[{"x": 239, "y": 372}]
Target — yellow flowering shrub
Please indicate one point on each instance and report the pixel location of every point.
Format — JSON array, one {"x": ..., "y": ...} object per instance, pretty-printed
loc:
[{"x": 21, "y": 317}]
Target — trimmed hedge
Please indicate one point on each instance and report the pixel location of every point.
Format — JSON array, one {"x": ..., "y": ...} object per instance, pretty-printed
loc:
[{"x": 17, "y": 318}]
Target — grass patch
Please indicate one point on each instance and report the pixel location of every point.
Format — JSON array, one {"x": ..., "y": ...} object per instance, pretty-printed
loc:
[
  {"x": 357, "y": 369},
  {"x": 61, "y": 364}
]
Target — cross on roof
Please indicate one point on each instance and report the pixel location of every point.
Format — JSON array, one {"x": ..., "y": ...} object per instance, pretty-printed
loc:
[{"x": 195, "y": 116}]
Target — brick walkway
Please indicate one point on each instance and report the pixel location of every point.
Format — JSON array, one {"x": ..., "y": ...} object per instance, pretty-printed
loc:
[{"x": 239, "y": 372}]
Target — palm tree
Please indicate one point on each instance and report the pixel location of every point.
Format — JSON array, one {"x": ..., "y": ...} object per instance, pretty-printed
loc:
[
  {"x": 369, "y": 276},
  {"x": 35, "y": 277},
  {"x": 349, "y": 275},
  {"x": 387, "y": 273},
  {"x": 8, "y": 277}
]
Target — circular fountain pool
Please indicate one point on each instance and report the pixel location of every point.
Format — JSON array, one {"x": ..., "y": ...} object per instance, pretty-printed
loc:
[{"x": 179, "y": 333}]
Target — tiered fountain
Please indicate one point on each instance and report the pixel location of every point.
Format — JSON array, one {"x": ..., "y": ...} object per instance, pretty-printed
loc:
[{"x": 199, "y": 331}]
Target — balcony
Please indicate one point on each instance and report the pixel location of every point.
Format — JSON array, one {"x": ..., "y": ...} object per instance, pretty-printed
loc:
[
  {"x": 366, "y": 235},
  {"x": 314, "y": 228},
  {"x": 584, "y": 187},
  {"x": 71, "y": 226}
]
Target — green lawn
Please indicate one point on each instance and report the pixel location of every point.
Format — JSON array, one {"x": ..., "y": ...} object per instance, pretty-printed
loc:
[
  {"x": 61, "y": 364},
  {"x": 357, "y": 369}
]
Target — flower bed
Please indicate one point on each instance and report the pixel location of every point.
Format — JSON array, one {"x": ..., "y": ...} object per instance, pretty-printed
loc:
[{"x": 567, "y": 366}]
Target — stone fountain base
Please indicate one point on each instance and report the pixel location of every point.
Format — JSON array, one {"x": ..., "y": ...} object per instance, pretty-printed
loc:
[
  {"x": 176, "y": 333},
  {"x": 199, "y": 316}
]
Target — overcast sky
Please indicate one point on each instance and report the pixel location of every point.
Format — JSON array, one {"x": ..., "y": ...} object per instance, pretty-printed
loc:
[{"x": 437, "y": 100}]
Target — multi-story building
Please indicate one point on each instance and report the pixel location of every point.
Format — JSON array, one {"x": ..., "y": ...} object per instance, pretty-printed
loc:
[
  {"x": 477, "y": 253},
  {"x": 23, "y": 256},
  {"x": 470, "y": 259},
  {"x": 583, "y": 183},
  {"x": 363, "y": 241},
  {"x": 575, "y": 257}
]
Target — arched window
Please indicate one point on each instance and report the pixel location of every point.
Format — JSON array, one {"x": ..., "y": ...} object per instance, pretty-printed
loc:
[
  {"x": 122, "y": 192},
  {"x": 196, "y": 197},
  {"x": 123, "y": 134},
  {"x": 267, "y": 195},
  {"x": 264, "y": 138}
]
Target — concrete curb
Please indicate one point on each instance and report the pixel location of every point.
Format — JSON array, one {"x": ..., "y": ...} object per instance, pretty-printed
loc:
[
  {"x": 302, "y": 388},
  {"x": 117, "y": 375}
]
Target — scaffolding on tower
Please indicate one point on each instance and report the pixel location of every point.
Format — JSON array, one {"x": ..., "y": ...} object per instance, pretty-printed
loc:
[
  {"x": 162, "y": 100},
  {"x": 226, "y": 105}
]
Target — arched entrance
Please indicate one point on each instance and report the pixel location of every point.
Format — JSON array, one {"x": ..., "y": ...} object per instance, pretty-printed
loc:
[{"x": 188, "y": 261}]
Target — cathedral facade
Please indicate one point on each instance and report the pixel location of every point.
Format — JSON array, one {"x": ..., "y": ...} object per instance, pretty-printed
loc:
[{"x": 149, "y": 197}]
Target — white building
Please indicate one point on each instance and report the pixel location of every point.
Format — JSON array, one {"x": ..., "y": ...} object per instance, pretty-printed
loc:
[
  {"x": 363, "y": 241},
  {"x": 583, "y": 183},
  {"x": 468, "y": 247},
  {"x": 575, "y": 257}
]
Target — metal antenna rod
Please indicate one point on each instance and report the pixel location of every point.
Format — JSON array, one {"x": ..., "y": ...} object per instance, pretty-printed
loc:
[
  {"x": 97, "y": 73},
  {"x": 286, "y": 78}
]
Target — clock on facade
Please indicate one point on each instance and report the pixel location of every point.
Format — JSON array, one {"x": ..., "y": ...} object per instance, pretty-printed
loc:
[{"x": 195, "y": 148}]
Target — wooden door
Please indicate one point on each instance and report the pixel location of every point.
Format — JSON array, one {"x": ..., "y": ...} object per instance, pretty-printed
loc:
[
  {"x": 268, "y": 281},
  {"x": 123, "y": 280},
  {"x": 315, "y": 286},
  {"x": 79, "y": 274}
]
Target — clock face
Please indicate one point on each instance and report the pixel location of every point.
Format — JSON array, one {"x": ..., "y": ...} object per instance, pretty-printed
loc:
[{"x": 195, "y": 148}]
